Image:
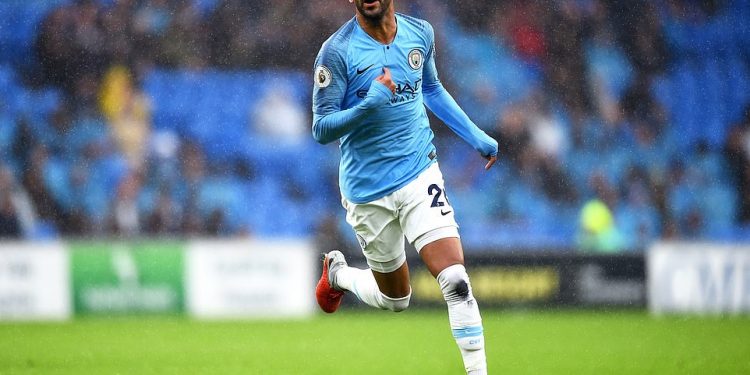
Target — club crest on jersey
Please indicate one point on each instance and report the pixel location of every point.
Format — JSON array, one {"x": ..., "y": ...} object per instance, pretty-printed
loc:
[
  {"x": 323, "y": 76},
  {"x": 415, "y": 58}
]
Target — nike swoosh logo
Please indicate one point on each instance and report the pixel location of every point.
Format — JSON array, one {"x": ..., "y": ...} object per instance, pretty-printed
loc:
[
  {"x": 444, "y": 212},
  {"x": 360, "y": 71}
]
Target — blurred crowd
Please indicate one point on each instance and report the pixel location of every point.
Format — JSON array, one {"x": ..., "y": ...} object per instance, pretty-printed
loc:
[
  {"x": 574, "y": 91},
  {"x": 84, "y": 38},
  {"x": 592, "y": 121}
]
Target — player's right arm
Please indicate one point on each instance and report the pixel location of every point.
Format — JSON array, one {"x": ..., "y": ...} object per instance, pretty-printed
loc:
[{"x": 329, "y": 121}]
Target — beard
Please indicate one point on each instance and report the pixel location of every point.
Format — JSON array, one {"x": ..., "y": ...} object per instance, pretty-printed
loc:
[{"x": 373, "y": 10}]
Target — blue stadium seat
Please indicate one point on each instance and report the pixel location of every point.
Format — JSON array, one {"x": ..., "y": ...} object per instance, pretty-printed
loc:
[
  {"x": 20, "y": 19},
  {"x": 682, "y": 199},
  {"x": 609, "y": 63},
  {"x": 57, "y": 174},
  {"x": 741, "y": 233},
  {"x": 637, "y": 224},
  {"x": 225, "y": 195},
  {"x": 705, "y": 89},
  {"x": 8, "y": 127},
  {"x": 719, "y": 203}
]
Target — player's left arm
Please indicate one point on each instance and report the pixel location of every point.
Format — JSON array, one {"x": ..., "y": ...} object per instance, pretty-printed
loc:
[{"x": 442, "y": 104}]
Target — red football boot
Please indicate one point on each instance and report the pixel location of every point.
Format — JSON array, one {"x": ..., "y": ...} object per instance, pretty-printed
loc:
[{"x": 328, "y": 297}]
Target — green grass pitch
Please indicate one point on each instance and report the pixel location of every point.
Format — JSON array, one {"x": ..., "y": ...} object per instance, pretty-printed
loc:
[{"x": 412, "y": 342}]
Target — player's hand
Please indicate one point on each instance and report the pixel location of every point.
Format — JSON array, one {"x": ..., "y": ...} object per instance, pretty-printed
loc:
[
  {"x": 385, "y": 79},
  {"x": 490, "y": 162}
]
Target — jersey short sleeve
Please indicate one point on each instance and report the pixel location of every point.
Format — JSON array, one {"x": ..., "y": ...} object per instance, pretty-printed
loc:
[{"x": 330, "y": 78}]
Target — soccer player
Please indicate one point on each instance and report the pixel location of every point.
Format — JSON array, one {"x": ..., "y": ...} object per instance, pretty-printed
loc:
[{"x": 373, "y": 79}]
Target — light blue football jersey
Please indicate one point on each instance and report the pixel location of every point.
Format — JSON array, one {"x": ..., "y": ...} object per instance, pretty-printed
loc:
[{"x": 385, "y": 139}]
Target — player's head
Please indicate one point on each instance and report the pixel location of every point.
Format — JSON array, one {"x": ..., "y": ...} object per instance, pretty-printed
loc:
[{"x": 372, "y": 10}]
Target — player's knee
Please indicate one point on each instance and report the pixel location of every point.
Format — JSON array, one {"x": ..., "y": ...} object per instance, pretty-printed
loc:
[
  {"x": 395, "y": 304},
  {"x": 454, "y": 282}
]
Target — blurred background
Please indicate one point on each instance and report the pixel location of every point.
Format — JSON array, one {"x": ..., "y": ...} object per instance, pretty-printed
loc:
[
  {"x": 156, "y": 157},
  {"x": 619, "y": 124}
]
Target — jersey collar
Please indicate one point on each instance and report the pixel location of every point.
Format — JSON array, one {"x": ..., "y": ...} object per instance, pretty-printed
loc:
[{"x": 369, "y": 37}]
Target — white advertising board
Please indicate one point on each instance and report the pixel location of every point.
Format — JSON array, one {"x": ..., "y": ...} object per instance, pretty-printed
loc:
[
  {"x": 698, "y": 278},
  {"x": 34, "y": 281},
  {"x": 250, "y": 279}
]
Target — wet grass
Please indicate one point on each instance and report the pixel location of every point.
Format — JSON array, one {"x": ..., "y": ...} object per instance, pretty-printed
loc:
[{"x": 413, "y": 342}]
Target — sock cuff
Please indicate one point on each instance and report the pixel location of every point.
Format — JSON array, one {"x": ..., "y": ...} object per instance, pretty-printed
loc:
[
  {"x": 397, "y": 299},
  {"x": 395, "y": 304}
]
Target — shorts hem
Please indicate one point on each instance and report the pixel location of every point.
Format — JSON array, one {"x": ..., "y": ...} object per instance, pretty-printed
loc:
[
  {"x": 434, "y": 235},
  {"x": 387, "y": 266}
]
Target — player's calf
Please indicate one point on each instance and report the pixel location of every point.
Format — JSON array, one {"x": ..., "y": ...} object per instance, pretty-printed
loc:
[
  {"x": 463, "y": 313},
  {"x": 363, "y": 285}
]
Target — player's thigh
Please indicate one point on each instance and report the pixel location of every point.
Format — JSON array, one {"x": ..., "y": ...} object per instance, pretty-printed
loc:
[
  {"x": 381, "y": 238},
  {"x": 378, "y": 232},
  {"x": 425, "y": 213},
  {"x": 428, "y": 220}
]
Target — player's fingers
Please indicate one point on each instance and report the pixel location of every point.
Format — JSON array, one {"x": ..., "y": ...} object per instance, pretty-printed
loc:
[
  {"x": 490, "y": 162},
  {"x": 387, "y": 73},
  {"x": 387, "y": 83}
]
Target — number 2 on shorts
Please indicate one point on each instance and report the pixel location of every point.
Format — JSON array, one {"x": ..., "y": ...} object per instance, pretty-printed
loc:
[{"x": 435, "y": 192}]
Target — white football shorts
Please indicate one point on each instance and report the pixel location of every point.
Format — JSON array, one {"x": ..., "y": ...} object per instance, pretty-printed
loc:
[{"x": 420, "y": 211}]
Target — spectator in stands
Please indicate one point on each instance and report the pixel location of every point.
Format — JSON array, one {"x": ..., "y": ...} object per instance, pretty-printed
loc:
[
  {"x": 17, "y": 217},
  {"x": 184, "y": 41},
  {"x": 694, "y": 225},
  {"x": 193, "y": 174},
  {"x": 639, "y": 30},
  {"x": 71, "y": 44},
  {"x": 589, "y": 98},
  {"x": 164, "y": 220},
  {"x": 637, "y": 214},
  {"x": 125, "y": 219},
  {"x": 512, "y": 135},
  {"x": 598, "y": 232},
  {"x": 61, "y": 123},
  {"x": 10, "y": 225},
  {"x": 640, "y": 107},
  {"x": 737, "y": 155},
  {"x": 127, "y": 111},
  {"x": 533, "y": 141},
  {"x": 608, "y": 69},
  {"x": 117, "y": 27},
  {"x": 565, "y": 65},
  {"x": 88, "y": 38},
  {"x": 151, "y": 19},
  {"x": 216, "y": 224},
  {"x": 231, "y": 41},
  {"x": 683, "y": 202},
  {"x": 522, "y": 25},
  {"x": 473, "y": 14},
  {"x": 47, "y": 207},
  {"x": 279, "y": 119},
  {"x": 53, "y": 48}
]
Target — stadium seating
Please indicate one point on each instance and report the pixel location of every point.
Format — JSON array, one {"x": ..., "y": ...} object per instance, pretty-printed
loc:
[{"x": 704, "y": 90}]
